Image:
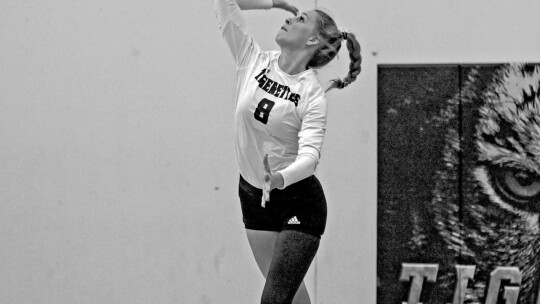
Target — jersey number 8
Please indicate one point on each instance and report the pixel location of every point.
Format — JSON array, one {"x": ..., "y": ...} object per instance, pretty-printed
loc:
[{"x": 263, "y": 110}]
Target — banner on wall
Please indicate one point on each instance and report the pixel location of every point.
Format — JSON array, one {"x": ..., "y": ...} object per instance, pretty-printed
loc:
[{"x": 458, "y": 184}]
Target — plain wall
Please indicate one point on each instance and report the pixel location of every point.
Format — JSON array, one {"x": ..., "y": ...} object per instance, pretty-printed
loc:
[{"x": 118, "y": 182}]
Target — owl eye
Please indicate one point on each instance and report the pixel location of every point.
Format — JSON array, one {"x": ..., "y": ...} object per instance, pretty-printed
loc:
[{"x": 517, "y": 186}]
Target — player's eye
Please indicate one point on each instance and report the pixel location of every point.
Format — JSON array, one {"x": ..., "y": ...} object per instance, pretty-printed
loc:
[
  {"x": 519, "y": 187},
  {"x": 301, "y": 19}
]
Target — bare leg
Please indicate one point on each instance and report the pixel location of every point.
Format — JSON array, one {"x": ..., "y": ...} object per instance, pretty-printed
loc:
[{"x": 262, "y": 244}]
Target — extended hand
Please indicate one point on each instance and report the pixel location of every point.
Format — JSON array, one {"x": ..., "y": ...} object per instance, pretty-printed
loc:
[
  {"x": 284, "y": 5},
  {"x": 270, "y": 181},
  {"x": 267, "y": 181}
]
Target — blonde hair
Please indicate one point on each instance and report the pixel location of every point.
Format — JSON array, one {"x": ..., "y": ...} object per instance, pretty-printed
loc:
[{"x": 331, "y": 37}]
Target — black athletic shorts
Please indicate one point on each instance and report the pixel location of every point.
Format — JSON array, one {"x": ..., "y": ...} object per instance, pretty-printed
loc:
[{"x": 300, "y": 206}]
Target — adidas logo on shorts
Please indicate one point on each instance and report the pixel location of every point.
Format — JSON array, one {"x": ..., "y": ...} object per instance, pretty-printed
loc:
[{"x": 293, "y": 220}]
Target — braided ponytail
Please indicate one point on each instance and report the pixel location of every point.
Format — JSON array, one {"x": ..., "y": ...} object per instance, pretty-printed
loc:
[
  {"x": 331, "y": 38},
  {"x": 354, "y": 67}
]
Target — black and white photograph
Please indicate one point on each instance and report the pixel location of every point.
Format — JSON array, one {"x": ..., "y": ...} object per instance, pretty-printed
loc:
[{"x": 269, "y": 152}]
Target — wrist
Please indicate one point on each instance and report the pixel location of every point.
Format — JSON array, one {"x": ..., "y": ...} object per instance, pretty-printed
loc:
[
  {"x": 277, "y": 180},
  {"x": 277, "y": 3}
]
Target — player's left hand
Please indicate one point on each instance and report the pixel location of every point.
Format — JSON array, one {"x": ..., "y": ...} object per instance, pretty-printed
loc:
[
  {"x": 270, "y": 181},
  {"x": 267, "y": 181}
]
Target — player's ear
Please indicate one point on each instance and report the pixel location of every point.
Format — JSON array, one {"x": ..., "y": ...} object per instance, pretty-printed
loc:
[{"x": 313, "y": 40}]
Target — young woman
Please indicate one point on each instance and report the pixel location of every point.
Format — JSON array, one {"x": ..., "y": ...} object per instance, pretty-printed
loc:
[{"x": 280, "y": 124}]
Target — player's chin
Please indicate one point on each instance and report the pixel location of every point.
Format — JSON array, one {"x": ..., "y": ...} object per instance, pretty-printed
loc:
[
  {"x": 279, "y": 38},
  {"x": 283, "y": 37}
]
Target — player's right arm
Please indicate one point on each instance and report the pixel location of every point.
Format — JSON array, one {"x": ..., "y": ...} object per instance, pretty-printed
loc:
[{"x": 234, "y": 28}]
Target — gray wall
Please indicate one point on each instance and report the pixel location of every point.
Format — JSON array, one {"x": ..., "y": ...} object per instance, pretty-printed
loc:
[{"x": 117, "y": 173}]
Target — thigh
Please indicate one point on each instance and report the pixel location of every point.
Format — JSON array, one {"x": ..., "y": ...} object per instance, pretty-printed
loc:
[{"x": 262, "y": 245}]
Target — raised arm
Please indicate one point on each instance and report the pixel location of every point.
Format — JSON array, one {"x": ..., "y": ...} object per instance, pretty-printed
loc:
[{"x": 234, "y": 27}]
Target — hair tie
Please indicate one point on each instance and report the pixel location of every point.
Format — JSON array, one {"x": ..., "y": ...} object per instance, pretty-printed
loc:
[{"x": 344, "y": 35}]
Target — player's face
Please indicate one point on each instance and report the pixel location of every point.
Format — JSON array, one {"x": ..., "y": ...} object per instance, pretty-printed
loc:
[{"x": 297, "y": 31}]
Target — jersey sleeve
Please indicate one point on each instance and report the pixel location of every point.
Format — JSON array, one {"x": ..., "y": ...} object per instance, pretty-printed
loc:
[
  {"x": 310, "y": 140},
  {"x": 304, "y": 166},
  {"x": 311, "y": 135},
  {"x": 234, "y": 28}
]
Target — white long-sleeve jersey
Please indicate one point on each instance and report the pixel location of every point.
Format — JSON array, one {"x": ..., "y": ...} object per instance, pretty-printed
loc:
[{"x": 277, "y": 114}]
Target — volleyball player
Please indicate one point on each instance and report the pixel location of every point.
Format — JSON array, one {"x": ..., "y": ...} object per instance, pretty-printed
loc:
[{"x": 280, "y": 123}]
